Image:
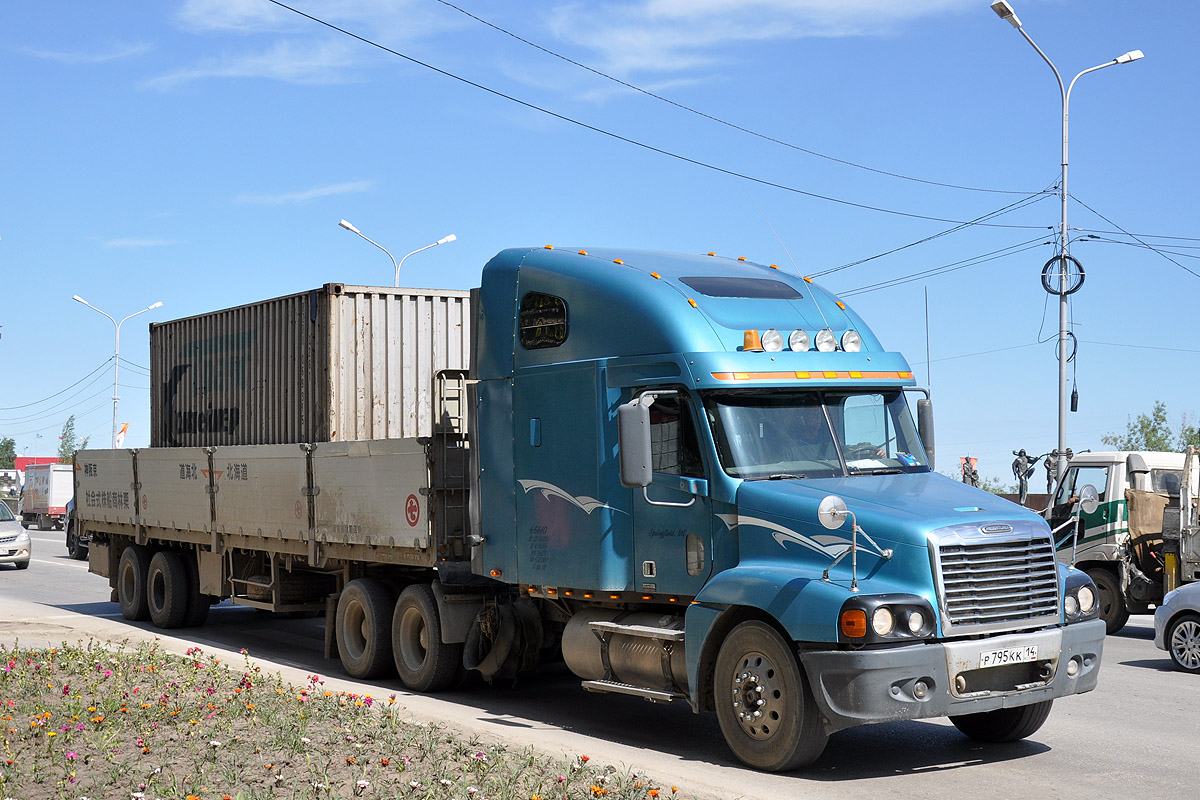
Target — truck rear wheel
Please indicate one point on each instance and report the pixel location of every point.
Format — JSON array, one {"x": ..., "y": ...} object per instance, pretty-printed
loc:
[
  {"x": 167, "y": 589},
  {"x": 131, "y": 582},
  {"x": 75, "y": 550},
  {"x": 1112, "y": 604},
  {"x": 1004, "y": 724},
  {"x": 364, "y": 628},
  {"x": 764, "y": 704},
  {"x": 424, "y": 662}
]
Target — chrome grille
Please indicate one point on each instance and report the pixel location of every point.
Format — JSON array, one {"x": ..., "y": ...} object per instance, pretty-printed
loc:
[
  {"x": 7, "y": 539},
  {"x": 991, "y": 582}
]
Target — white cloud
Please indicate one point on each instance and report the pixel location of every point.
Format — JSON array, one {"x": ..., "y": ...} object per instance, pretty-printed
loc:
[
  {"x": 317, "y": 63},
  {"x": 116, "y": 52},
  {"x": 678, "y": 35},
  {"x": 139, "y": 243},
  {"x": 290, "y": 198}
]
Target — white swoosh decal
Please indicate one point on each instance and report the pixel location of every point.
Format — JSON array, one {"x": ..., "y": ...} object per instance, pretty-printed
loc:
[
  {"x": 585, "y": 504},
  {"x": 827, "y": 545}
]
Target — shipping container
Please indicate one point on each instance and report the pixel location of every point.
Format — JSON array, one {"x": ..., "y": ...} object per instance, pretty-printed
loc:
[{"x": 338, "y": 363}]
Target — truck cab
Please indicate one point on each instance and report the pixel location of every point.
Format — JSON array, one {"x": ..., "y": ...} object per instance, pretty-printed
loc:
[{"x": 1126, "y": 564}]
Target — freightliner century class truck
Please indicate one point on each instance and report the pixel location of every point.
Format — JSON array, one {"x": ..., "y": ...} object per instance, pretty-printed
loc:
[{"x": 691, "y": 478}]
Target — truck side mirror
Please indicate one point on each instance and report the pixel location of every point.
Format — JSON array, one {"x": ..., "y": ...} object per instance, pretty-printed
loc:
[
  {"x": 1089, "y": 499},
  {"x": 633, "y": 442},
  {"x": 925, "y": 427}
]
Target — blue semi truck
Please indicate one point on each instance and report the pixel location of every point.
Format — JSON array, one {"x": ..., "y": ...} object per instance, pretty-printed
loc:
[{"x": 691, "y": 478}]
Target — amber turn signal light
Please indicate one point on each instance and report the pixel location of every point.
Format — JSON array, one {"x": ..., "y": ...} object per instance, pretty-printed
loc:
[{"x": 854, "y": 623}]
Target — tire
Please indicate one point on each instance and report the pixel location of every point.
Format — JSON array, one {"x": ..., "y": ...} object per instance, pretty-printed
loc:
[
  {"x": 1112, "y": 604},
  {"x": 364, "y": 628},
  {"x": 755, "y": 663},
  {"x": 423, "y": 662},
  {"x": 22, "y": 564},
  {"x": 167, "y": 589},
  {"x": 75, "y": 550},
  {"x": 131, "y": 582},
  {"x": 44, "y": 523},
  {"x": 198, "y": 603},
  {"x": 1004, "y": 724},
  {"x": 1183, "y": 642}
]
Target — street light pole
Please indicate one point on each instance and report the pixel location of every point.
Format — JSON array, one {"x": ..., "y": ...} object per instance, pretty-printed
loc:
[
  {"x": 352, "y": 229},
  {"x": 116, "y": 355},
  {"x": 1005, "y": 11}
]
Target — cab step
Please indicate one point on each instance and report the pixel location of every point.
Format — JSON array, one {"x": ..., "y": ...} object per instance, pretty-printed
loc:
[{"x": 653, "y": 695}]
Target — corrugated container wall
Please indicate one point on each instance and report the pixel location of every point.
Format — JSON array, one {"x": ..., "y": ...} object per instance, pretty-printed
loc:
[{"x": 339, "y": 363}]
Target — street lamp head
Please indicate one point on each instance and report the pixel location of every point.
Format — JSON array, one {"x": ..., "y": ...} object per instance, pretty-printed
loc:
[
  {"x": 446, "y": 239},
  {"x": 156, "y": 305},
  {"x": 349, "y": 227},
  {"x": 1006, "y": 13},
  {"x": 1132, "y": 55},
  {"x": 79, "y": 299}
]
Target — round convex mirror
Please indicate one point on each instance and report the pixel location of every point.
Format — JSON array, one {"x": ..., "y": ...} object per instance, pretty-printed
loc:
[
  {"x": 832, "y": 512},
  {"x": 1089, "y": 499}
]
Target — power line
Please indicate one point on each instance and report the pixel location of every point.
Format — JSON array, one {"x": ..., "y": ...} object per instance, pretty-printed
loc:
[
  {"x": 1017, "y": 204},
  {"x": 1135, "y": 237},
  {"x": 1142, "y": 235},
  {"x": 107, "y": 361},
  {"x": 626, "y": 139},
  {"x": 954, "y": 266},
  {"x": 715, "y": 119},
  {"x": 1173, "y": 251}
]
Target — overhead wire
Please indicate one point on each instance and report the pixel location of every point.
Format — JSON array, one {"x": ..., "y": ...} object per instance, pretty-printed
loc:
[
  {"x": 716, "y": 119},
  {"x": 1135, "y": 237},
  {"x": 954, "y": 266},
  {"x": 626, "y": 139},
  {"x": 107, "y": 361}
]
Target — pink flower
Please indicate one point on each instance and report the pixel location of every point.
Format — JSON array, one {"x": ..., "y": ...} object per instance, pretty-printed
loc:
[{"x": 71, "y": 754}]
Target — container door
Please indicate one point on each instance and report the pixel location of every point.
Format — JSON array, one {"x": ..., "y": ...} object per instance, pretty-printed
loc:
[{"x": 673, "y": 517}]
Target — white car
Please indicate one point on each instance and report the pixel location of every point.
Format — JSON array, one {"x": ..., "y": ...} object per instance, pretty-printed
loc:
[
  {"x": 1177, "y": 627},
  {"x": 15, "y": 544}
]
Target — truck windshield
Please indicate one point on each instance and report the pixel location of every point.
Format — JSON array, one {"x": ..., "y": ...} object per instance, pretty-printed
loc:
[{"x": 762, "y": 434}]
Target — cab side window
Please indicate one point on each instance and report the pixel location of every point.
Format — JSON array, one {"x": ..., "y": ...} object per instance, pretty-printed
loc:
[{"x": 674, "y": 446}]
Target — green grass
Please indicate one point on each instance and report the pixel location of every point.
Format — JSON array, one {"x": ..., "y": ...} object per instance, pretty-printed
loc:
[{"x": 138, "y": 723}]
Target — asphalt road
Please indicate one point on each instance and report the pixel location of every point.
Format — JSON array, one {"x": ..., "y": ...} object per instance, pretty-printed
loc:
[{"x": 1130, "y": 737}]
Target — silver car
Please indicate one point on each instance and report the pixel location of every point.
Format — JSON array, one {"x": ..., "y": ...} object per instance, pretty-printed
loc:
[
  {"x": 1177, "y": 627},
  {"x": 15, "y": 544}
]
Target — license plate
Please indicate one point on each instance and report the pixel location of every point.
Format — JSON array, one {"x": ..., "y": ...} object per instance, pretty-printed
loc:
[{"x": 1009, "y": 655}]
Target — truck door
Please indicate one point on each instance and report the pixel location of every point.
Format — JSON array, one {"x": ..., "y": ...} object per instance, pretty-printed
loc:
[
  {"x": 673, "y": 516},
  {"x": 1093, "y": 528}
]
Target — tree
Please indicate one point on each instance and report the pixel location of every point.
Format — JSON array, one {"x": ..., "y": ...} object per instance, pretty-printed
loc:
[
  {"x": 66, "y": 442},
  {"x": 8, "y": 453},
  {"x": 1153, "y": 432}
]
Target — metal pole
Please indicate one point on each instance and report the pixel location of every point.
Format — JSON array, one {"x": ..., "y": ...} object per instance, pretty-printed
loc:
[{"x": 116, "y": 370}]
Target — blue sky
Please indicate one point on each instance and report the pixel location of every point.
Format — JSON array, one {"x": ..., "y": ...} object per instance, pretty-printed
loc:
[{"x": 201, "y": 153}]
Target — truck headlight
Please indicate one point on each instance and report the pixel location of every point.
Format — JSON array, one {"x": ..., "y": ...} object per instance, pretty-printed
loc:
[
  {"x": 870, "y": 619},
  {"x": 1087, "y": 599},
  {"x": 1079, "y": 596},
  {"x": 772, "y": 340},
  {"x": 826, "y": 341},
  {"x": 799, "y": 341},
  {"x": 883, "y": 621},
  {"x": 851, "y": 341}
]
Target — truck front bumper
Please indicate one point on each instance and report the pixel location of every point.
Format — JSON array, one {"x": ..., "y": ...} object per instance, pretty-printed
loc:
[{"x": 857, "y": 687}]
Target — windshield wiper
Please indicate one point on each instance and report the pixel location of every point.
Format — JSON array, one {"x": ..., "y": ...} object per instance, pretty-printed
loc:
[
  {"x": 778, "y": 476},
  {"x": 877, "y": 471}
]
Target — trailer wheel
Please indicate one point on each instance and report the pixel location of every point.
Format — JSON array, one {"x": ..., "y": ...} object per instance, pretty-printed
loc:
[
  {"x": 424, "y": 662},
  {"x": 1004, "y": 724},
  {"x": 167, "y": 589},
  {"x": 764, "y": 704},
  {"x": 364, "y": 628},
  {"x": 198, "y": 603},
  {"x": 1112, "y": 605},
  {"x": 131, "y": 582}
]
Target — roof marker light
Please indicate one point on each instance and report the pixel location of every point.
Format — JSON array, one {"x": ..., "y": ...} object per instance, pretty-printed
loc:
[
  {"x": 772, "y": 340},
  {"x": 799, "y": 341},
  {"x": 693, "y": 302},
  {"x": 712, "y": 254},
  {"x": 656, "y": 276},
  {"x": 751, "y": 342},
  {"x": 741, "y": 258},
  {"x": 618, "y": 261},
  {"x": 826, "y": 341},
  {"x": 852, "y": 341},
  {"x": 808, "y": 279},
  {"x": 547, "y": 247},
  {"x": 774, "y": 266},
  {"x": 840, "y": 304},
  {"x": 583, "y": 252}
]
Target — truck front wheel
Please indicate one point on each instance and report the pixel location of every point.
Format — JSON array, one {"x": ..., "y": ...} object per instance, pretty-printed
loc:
[
  {"x": 131, "y": 582},
  {"x": 764, "y": 704},
  {"x": 364, "y": 628},
  {"x": 1112, "y": 603},
  {"x": 1004, "y": 724},
  {"x": 424, "y": 662}
]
